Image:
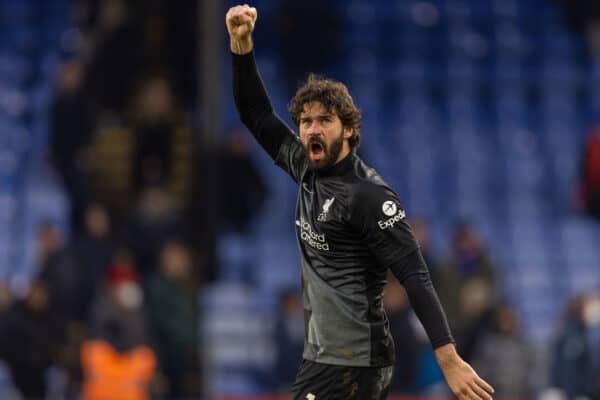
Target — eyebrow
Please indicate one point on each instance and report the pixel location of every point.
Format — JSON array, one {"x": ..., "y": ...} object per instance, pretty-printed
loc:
[{"x": 317, "y": 116}]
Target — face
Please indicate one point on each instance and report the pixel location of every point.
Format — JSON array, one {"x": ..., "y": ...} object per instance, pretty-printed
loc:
[
  {"x": 96, "y": 221},
  {"x": 38, "y": 298},
  {"x": 323, "y": 136},
  {"x": 175, "y": 261}
]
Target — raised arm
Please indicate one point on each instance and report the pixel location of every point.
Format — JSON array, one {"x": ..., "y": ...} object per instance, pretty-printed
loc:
[{"x": 250, "y": 95}]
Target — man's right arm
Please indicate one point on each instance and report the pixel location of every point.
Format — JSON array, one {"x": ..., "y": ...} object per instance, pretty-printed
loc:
[{"x": 249, "y": 93}]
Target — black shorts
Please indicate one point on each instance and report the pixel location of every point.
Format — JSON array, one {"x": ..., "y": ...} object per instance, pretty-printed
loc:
[{"x": 317, "y": 381}]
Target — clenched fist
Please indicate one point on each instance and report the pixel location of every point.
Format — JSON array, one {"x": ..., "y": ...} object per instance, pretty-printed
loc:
[{"x": 240, "y": 22}]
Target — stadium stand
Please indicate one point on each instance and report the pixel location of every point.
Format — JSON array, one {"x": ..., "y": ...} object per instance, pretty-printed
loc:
[{"x": 473, "y": 110}]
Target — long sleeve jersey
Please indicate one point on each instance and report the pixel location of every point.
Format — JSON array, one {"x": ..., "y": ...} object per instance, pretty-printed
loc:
[{"x": 351, "y": 229}]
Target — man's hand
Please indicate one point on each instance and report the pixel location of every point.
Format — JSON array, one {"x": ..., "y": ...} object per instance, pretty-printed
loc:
[
  {"x": 240, "y": 22},
  {"x": 462, "y": 379}
]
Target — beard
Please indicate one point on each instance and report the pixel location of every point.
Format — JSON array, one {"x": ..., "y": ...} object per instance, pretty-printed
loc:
[{"x": 330, "y": 153}]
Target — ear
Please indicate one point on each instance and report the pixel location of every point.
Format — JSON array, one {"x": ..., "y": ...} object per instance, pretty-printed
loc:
[{"x": 348, "y": 132}]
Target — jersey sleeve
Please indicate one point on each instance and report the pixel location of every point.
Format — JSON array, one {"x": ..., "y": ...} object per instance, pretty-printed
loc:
[
  {"x": 412, "y": 272},
  {"x": 381, "y": 221},
  {"x": 256, "y": 112},
  {"x": 377, "y": 215}
]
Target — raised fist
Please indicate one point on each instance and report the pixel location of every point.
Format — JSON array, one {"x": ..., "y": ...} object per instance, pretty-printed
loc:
[{"x": 240, "y": 21}]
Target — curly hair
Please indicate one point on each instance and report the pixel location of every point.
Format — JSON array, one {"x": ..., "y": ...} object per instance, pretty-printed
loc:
[{"x": 335, "y": 98}]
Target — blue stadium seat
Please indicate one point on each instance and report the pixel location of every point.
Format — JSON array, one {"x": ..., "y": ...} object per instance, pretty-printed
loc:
[
  {"x": 15, "y": 68},
  {"x": 236, "y": 337}
]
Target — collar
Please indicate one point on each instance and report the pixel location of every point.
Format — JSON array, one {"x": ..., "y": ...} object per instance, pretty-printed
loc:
[{"x": 340, "y": 168}]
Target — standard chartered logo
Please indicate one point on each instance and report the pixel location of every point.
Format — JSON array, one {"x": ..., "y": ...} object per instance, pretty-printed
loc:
[{"x": 312, "y": 238}]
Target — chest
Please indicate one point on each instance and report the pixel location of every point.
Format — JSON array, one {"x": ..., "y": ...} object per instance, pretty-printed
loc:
[{"x": 322, "y": 214}]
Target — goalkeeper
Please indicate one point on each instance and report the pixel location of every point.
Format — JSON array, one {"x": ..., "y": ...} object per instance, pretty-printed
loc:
[{"x": 351, "y": 229}]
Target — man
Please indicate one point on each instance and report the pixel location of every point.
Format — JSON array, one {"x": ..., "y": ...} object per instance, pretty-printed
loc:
[{"x": 351, "y": 229}]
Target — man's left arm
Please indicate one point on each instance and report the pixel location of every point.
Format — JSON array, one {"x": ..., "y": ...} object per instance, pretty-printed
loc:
[
  {"x": 412, "y": 272},
  {"x": 382, "y": 223}
]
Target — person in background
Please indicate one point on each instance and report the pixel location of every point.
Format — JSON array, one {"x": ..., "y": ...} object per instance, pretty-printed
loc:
[
  {"x": 407, "y": 345},
  {"x": 289, "y": 339},
  {"x": 7, "y": 389},
  {"x": 589, "y": 190},
  {"x": 94, "y": 250},
  {"x": 421, "y": 230},
  {"x": 154, "y": 119},
  {"x": 467, "y": 285},
  {"x": 6, "y": 297},
  {"x": 118, "y": 313},
  {"x": 153, "y": 221},
  {"x": 572, "y": 364},
  {"x": 60, "y": 272},
  {"x": 112, "y": 31},
  {"x": 90, "y": 255},
  {"x": 31, "y": 340},
  {"x": 428, "y": 377},
  {"x": 504, "y": 356},
  {"x": 171, "y": 294},
  {"x": 244, "y": 194},
  {"x": 118, "y": 359},
  {"x": 71, "y": 128}
]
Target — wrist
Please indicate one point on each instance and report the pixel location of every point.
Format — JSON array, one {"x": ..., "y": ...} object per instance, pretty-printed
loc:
[
  {"x": 241, "y": 46},
  {"x": 447, "y": 355}
]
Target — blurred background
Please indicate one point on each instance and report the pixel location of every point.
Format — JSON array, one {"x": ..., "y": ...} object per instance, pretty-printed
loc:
[{"x": 147, "y": 247}]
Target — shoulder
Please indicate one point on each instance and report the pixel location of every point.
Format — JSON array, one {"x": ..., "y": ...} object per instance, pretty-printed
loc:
[
  {"x": 374, "y": 200},
  {"x": 367, "y": 184},
  {"x": 368, "y": 188},
  {"x": 365, "y": 173},
  {"x": 368, "y": 192}
]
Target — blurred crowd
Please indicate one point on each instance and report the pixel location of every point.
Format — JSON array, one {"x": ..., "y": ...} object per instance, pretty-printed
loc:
[
  {"x": 93, "y": 300},
  {"x": 113, "y": 307}
]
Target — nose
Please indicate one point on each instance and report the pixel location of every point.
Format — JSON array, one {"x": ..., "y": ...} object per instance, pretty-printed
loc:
[{"x": 314, "y": 128}]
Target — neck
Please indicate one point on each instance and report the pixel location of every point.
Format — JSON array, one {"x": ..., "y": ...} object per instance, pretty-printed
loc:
[{"x": 345, "y": 151}]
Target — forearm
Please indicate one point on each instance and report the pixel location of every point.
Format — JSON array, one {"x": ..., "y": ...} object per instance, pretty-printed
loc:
[
  {"x": 413, "y": 274},
  {"x": 249, "y": 93},
  {"x": 254, "y": 106}
]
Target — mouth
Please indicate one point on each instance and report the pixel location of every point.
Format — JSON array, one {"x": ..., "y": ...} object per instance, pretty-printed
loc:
[{"x": 316, "y": 150}]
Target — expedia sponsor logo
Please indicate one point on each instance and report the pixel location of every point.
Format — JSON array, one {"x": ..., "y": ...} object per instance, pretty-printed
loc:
[
  {"x": 312, "y": 238},
  {"x": 389, "y": 208},
  {"x": 390, "y": 222}
]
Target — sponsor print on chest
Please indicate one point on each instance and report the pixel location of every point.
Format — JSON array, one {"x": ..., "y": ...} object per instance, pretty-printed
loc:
[{"x": 311, "y": 236}]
